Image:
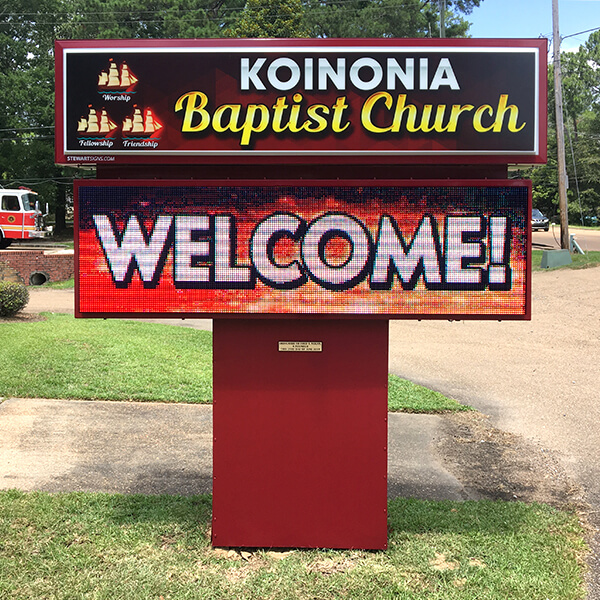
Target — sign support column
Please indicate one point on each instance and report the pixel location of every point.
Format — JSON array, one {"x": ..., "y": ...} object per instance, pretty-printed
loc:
[{"x": 300, "y": 438}]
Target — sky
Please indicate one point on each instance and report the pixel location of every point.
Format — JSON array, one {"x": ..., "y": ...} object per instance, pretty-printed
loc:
[{"x": 533, "y": 18}]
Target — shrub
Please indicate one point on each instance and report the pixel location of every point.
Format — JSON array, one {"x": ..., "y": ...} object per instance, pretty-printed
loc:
[{"x": 13, "y": 298}]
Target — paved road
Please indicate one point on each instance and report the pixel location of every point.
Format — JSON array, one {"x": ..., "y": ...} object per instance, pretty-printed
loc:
[{"x": 588, "y": 239}]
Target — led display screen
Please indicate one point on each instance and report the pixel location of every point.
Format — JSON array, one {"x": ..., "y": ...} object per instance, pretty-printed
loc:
[
  {"x": 400, "y": 250},
  {"x": 300, "y": 100}
]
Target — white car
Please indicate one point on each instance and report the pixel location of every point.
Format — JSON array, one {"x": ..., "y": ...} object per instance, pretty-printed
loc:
[{"x": 539, "y": 221}]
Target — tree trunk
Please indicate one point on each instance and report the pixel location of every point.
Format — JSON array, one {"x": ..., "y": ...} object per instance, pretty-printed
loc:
[{"x": 60, "y": 223}]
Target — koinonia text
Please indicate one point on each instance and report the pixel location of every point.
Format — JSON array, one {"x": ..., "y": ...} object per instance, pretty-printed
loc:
[
  {"x": 409, "y": 249},
  {"x": 301, "y": 100}
]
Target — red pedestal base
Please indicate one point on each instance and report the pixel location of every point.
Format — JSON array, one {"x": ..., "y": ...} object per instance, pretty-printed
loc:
[{"x": 300, "y": 438}]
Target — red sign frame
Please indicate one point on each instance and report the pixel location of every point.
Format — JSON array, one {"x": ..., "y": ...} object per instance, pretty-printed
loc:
[
  {"x": 205, "y": 117},
  {"x": 272, "y": 244}
]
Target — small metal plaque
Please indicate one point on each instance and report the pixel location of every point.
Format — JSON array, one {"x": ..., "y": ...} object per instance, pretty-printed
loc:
[{"x": 300, "y": 346}]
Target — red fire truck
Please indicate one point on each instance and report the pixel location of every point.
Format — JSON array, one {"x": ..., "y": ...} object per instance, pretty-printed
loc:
[{"x": 20, "y": 216}]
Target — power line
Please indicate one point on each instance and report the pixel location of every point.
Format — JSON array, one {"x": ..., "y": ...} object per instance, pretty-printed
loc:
[
  {"x": 564, "y": 37},
  {"x": 27, "y": 128},
  {"x": 153, "y": 12},
  {"x": 141, "y": 16},
  {"x": 26, "y": 140},
  {"x": 68, "y": 181}
]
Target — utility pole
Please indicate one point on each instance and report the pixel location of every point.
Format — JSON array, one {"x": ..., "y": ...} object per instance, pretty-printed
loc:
[
  {"x": 442, "y": 18},
  {"x": 560, "y": 134}
]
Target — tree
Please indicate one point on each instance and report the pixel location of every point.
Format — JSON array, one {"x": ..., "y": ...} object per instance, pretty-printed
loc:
[
  {"x": 270, "y": 19},
  {"x": 28, "y": 29},
  {"x": 581, "y": 107},
  {"x": 385, "y": 18},
  {"x": 26, "y": 98},
  {"x": 128, "y": 19}
]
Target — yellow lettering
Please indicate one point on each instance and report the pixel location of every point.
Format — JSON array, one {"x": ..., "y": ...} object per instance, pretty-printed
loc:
[
  {"x": 320, "y": 122},
  {"x": 278, "y": 108},
  {"x": 426, "y": 117},
  {"x": 477, "y": 124},
  {"x": 367, "y": 109},
  {"x": 194, "y": 102},
  {"x": 338, "y": 114},
  {"x": 234, "y": 115},
  {"x": 295, "y": 114},
  {"x": 457, "y": 110},
  {"x": 512, "y": 119},
  {"x": 411, "y": 118},
  {"x": 248, "y": 127}
]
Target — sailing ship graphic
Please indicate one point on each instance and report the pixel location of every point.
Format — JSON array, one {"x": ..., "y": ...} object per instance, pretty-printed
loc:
[
  {"x": 116, "y": 78},
  {"x": 141, "y": 124},
  {"x": 96, "y": 124}
]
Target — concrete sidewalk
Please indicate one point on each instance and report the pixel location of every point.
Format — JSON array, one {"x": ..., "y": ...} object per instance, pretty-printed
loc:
[{"x": 153, "y": 448}]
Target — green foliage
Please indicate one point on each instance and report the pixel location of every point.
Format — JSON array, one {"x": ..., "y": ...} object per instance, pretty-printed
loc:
[
  {"x": 13, "y": 298},
  {"x": 389, "y": 19},
  {"x": 581, "y": 111},
  {"x": 128, "y": 19},
  {"x": 27, "y": 33},
  {"x": 356, "y": 18},
  {"x": 28, "y": 29},
  {"x": 271, "y": 19}
]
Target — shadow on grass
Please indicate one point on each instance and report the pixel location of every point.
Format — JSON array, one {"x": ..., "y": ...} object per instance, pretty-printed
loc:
[
  {"x": 80, "y": 545},
  {"x": 405, "y": 515},
  {"x": 410, "y": 515}
]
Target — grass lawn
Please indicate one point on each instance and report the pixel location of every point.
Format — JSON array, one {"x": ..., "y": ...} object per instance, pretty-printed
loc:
[
  {"x": 580, "y": 261},
  {"x": 107, "y": 546},
  {"x": 83, "y": 545},
  {"x": 64, "y": 357},
  {"x": 405, "y": 396},
  {"x": 67, "y": 284}
]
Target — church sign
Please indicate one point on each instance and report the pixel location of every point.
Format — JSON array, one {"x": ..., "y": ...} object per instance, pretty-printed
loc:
[{"x": 301, "y": 101}]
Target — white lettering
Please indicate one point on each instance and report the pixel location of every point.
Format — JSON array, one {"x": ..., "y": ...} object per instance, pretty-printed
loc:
[
  {"x": 423, "y": 73},
  {"x": 336, "y": 251},
  {"x": 464, "y": 247},
  {"x": 365, "y": 64},
  {"x": 392, "y": 254},
  {"x": 188, "y": 251},
  {"x": 133, "y": 250},
  {"x": 444, "y": 76},
  {"x": 337, "y": 76},
  {"x": 352, "y": 270},
  {"x": 225, "y": 269},
  {"x": 406, "y": 76},
  {"x": 262, "y": 249},
  {"x": 308, "y": 74},
  {"x": 250, "y": 74},
  {"x": 364, "y": 73},
  {"x": 282, "y": 84}
]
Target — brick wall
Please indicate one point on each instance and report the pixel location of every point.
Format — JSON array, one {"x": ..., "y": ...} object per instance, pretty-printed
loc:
[{"x": 34, "y": 267}]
